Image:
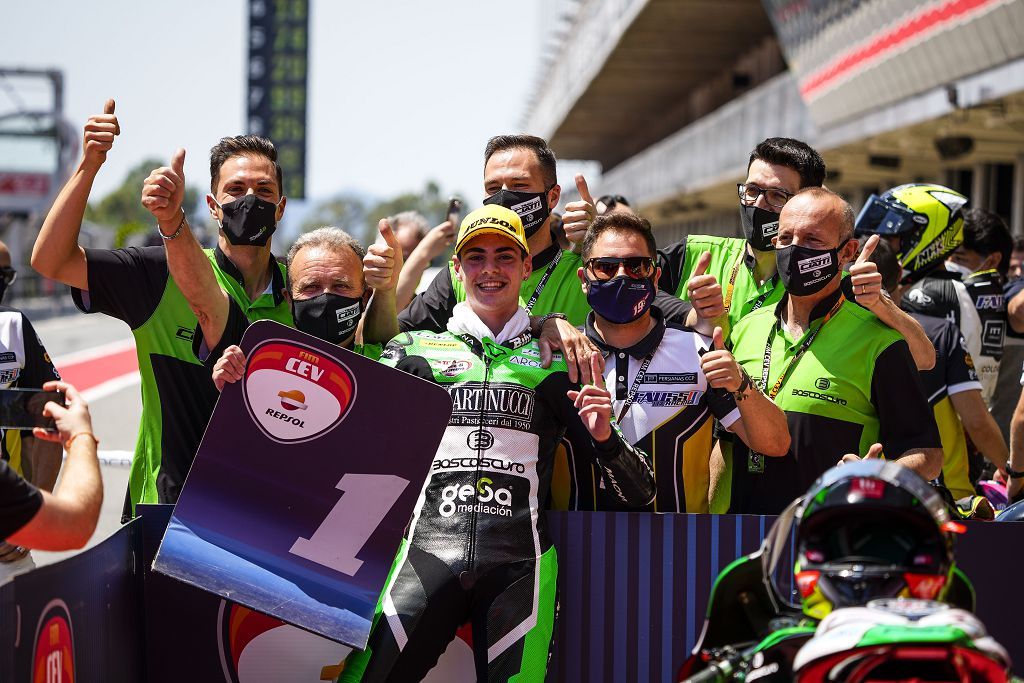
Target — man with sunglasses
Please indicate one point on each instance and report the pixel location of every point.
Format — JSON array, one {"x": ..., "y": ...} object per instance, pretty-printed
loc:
[
  {"x": 665, "y": 380},
  {"x": 846, "y": 382},
  {"x": 25, "y": 364}
]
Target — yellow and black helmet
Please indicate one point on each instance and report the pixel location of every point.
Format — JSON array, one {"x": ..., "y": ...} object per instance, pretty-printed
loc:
[{"x": 928, "y": 219}]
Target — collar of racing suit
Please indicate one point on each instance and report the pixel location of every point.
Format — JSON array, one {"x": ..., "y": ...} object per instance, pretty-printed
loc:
[
  {"x": 642, "y": 348},
  {"x": 465, "y": 321}
]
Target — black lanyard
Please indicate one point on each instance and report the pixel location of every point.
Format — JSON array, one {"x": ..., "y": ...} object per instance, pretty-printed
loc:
[
  {"x": 767, "y": 364},
  {"x": 637, "y": 381},
  {"x": 543, "y": 281}
]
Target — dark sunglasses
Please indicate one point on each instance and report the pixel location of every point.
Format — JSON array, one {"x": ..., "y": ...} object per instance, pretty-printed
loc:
[
  {"x": 8, "y": 275},
  {"x": 637, "y": 267}
]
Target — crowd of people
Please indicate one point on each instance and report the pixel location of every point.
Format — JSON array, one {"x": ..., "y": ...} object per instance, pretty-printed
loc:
[{"x": 590, "y": 368}]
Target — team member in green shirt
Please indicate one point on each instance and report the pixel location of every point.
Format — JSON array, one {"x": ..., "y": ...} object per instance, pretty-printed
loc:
[
  {"x": 134, "y": 285},
  {"x": 846, "y": 382}
]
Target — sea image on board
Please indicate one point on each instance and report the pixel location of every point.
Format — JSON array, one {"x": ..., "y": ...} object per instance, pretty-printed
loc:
[{"x": 304, "y": 483}]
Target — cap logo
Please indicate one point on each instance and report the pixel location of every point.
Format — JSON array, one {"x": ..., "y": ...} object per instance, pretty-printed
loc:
[{"x": 295, "y": 394}]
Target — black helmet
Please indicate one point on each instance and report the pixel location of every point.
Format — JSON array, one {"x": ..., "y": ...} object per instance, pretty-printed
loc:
[
  {"x": 927, "y": 218},
  {"x": 871, "y": 529}
]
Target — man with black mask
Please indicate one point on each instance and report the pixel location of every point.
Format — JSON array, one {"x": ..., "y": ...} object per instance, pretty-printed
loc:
[
  {"x": 846, "y": 382},
  {"x": 135, "y": 285},
  {"x": 667, "y": 381}
]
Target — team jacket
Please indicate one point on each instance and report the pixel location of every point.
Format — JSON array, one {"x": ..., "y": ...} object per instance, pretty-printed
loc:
[{"x": 480, "y": 506}]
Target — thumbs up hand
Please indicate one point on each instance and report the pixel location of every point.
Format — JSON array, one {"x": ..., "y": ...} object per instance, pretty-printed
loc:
[
  {"x": 98, "y": 138},
  {"x": 865, "y": 278},
  {"x": 383, "y": 262},
  {"x": 579, "y": 215},
  {"x": 719, "y": 366},
  {"x": 164, "y": 191},
  {"x": 704, "y": 291}
]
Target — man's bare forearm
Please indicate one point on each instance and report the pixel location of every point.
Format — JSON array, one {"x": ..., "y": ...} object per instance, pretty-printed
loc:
[
  {"x": 981, "y": 426},
  {"x": 41, "y": 461},
  {"x": 193, "y": 273},
  {"x": 925, "y": 461},
  {"x": 380, "y": 323},
  {"x": 921, "y": 347},
  {"x": 56, "y": 253}
]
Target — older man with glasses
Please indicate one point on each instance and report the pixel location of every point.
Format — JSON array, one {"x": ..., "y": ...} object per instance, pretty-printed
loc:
[{"x": 667, "y": 381}]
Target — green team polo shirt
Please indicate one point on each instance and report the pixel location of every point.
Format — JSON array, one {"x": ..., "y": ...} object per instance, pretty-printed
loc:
[
  {"x": 855, "y": 385},
  {"x": 134, "y": 285},
  {"x": 678, "y": 261}
]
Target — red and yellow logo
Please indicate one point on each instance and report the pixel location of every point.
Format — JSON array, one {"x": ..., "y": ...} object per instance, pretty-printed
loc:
[
  {"x": 295, "y": 393},
  {"x": 54, "y": 659}
]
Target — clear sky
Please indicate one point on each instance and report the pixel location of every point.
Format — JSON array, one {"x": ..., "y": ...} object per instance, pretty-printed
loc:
[{"x": 399, "y": 91}]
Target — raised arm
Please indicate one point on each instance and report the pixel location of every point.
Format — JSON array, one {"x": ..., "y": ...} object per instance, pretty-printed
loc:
[
  {"x": 162, "y": 194},
  {"x": 381, "y": 267},
  {"x": 56, "y": 253},
  {"x": 430, "y": 247}
]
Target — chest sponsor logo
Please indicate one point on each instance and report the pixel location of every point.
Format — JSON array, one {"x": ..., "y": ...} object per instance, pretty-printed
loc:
[
  {"x": 9, "y": 376},
  {"x": 294, "y": 395},
  {"x": 484, "y": 498},
  {"x": 815, "y": 264},
  {"x": 992, "y": 337},
  {"x": 498, "y": 405},
  {"x": 185, "y": 333},
  {"x": 452, "y": 367},
  {"x": 54, "y": 657},
  {"x": 818, "y": 396},
  {"x": 480, "y": 440},
  {"x": 525, "y": 362},
  {"x": 823, "y": 383},
  {"x": 918, "y": 297},
  {"x": 670, "y": 378},
  {"x": 989, "y": 302},
  {"x": 472, "y": 462},
  {"x": 8, "y": 357},
  {"x": 435, "y": 343},
  {"x": 669, "y": 399}
]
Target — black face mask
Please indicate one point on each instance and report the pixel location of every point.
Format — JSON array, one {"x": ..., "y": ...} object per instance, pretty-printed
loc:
[
  {"x": 329, "y": 316},
  {"x": 248, "y": 221},
  {"x": 805, "y": 271},
  {"x": 759, "y": 226},
  {"x": 532, "y": 207},
  {"x": 622, "y": 299}
]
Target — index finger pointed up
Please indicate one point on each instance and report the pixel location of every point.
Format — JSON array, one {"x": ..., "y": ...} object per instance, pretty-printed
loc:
[
  {"x": 869, "y": 248},
  {"x": 178, "y": 162},
  {"x": 581, "y": 185},
  {"x": 702, "y": 264},
  {"x": 595, "y": 370},
  {"x": 387, "y": 233}
]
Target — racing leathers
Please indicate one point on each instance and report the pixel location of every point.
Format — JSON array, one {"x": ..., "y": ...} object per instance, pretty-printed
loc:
[{"x": 477, "y": 549}]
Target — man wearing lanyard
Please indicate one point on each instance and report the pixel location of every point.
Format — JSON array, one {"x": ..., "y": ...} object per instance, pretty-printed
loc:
[
  {"x": 846, "y": 382},
  {"x": 519, "y": 174},
  {"x": 667, "y": 382}
]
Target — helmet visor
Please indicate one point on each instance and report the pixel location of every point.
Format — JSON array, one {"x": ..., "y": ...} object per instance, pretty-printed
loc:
[{"x": 883, "y": 217}]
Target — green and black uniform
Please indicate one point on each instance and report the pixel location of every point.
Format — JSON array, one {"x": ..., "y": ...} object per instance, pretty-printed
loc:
[
  {"x": 731, "y": 264},
  {"x": 134, "y": 285},
  {"x": 477, "y": 548},
  {"x": 846, "y": 384}
]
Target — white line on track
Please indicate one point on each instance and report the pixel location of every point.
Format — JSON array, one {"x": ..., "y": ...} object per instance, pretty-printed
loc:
[
  {"x": 94, "y": 352},
  {"x": 111, "y": 386}
]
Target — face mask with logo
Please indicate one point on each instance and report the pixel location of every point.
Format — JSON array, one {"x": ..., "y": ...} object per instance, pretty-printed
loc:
[
  {"x": 964, "y": 271},
  {"x": 622, "y": 299},
  {"x": 532, "y": 207},
  {"x": 329, "y": 316},
  {"x": 248, "y": 221},
  {"x": 805, "y": 271},
  {"x": 759, "y": 226}
]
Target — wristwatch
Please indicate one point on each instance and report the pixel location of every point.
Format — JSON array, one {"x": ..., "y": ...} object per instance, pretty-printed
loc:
[{"x": 1014, "y": 474}]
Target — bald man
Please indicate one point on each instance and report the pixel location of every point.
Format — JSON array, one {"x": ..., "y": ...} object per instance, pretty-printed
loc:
[{"x": 847, "y": 382}]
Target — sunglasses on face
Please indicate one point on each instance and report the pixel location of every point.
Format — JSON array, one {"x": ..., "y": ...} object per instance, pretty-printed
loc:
[
  {"x": 637, "y": 267},
  {"x": 8, "y": 275}
]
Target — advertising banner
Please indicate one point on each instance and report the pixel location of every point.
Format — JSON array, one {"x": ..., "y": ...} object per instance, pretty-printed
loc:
[{"x": 304, "y": 483}]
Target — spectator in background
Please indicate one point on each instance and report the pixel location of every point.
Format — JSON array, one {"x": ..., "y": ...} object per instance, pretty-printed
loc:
[
  {"x": 1004, "y": 401},
  {"x": 612, "y": 203},
  {"x": 845, "y": 380},
  {"x": 1016, "y": 259},
  {"x": 953, "y": 390},
  {"x": 65, "y": 519},
  {"x": 410, "y": 227},
  {"x": 24, "y": 364},
  {"x": 419, "y": 258}
]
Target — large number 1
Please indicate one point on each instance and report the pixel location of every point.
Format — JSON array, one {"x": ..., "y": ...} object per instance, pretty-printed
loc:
[{"x": 365, "y": 500}]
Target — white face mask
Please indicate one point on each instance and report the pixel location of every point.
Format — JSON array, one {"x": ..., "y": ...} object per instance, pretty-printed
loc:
[{"x": 957, "y": 268}]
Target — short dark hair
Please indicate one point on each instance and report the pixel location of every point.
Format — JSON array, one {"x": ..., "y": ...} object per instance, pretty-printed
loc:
[
  {"x": 240, "y": 146},
  {"x": 622, "y": 222},
  {"x": 986, "y": 233},
  {"x": 539, "y": 146},
  {"x": 793, "y": 154},
  {"x": 888, "y": 263}
]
